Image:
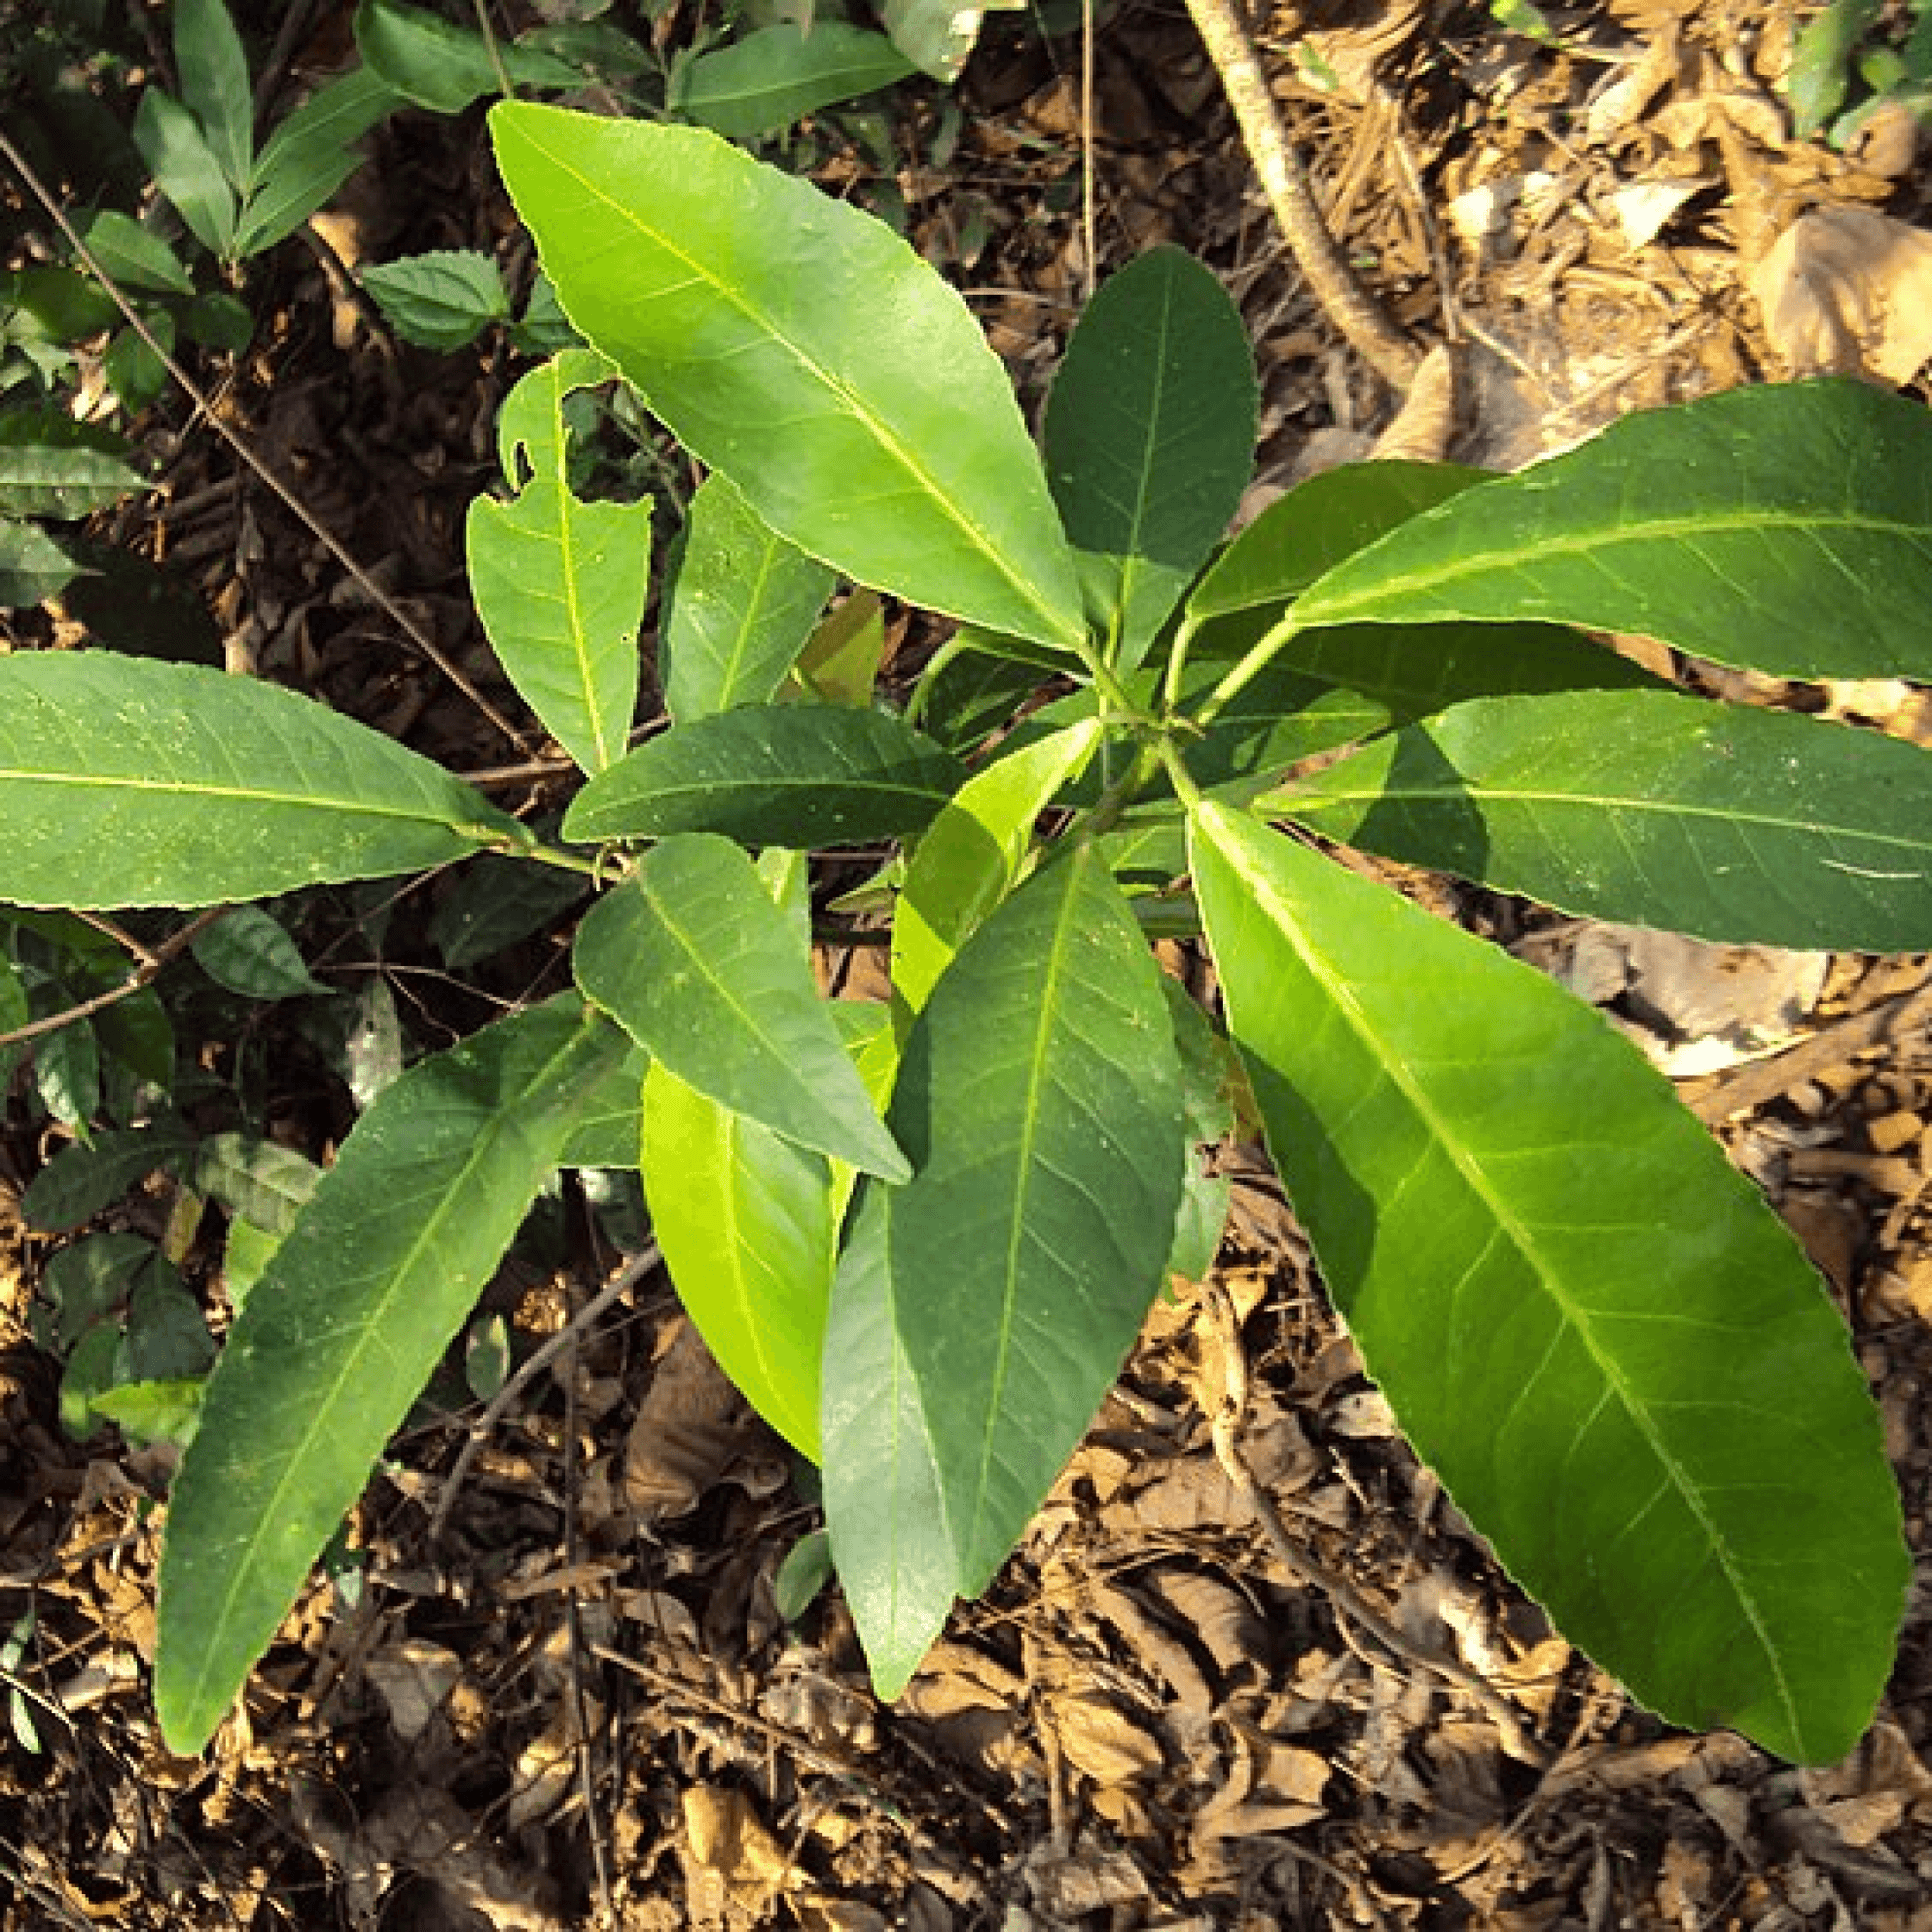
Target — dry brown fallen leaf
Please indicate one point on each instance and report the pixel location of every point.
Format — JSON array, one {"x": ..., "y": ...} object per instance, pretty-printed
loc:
[{"x": 1847, "y": 292}]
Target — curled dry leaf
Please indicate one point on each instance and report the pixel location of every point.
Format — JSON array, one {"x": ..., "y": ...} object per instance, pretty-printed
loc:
[
  {"x": 690, "y": 1429},
  {"x": 1847, "y": 292}
]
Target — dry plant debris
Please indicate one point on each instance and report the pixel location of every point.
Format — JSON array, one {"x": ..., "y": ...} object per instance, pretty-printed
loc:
[{"x": 555, "y": 1689}]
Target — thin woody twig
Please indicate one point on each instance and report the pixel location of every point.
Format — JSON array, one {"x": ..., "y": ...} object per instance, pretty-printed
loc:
[
  {"x": 1284, "y": 180},
  {"x": 146, "y": 972},
  {"x": 410, "y": 629},
  {"x": 1303, "y": 1568}
]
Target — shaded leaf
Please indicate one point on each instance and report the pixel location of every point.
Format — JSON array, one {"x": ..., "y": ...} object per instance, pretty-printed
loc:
[
  {"x": 773, "y": 76},
  {"x": 1653, "y": 808},
  {"x": 803, "y": 775},
  {"x": 311, "y": 155},
  {"x": 935, "y": 35},
  {"x": 79, "y": 1181},
  {"x": 128, "y": 783},
  {"x": 262, "y": 1181},
  {"x": 337, "y": 1338},
  {"x": 215, "y": 84},
  {"x": 133, "y": 256},
  {"x": 249, "y": 953},
  {"x": 443, "y": 299},
  {"x": 493, "y": 903},
  {"x": 437, "y": 65},
  {"x": 1039, "y": 1102},
  {"x": 1788, "y": 529},
  {"x": 841, "y": 659},
  {"x": 560, "y": 584},
  {"x": 32, "y": 565},
  {"x": 1150, "y": 438},
  {"x": 807, "y": 352},
  {"x": 1588, "y": 1324},
  {"x": 53, "y": 466},
  {"x": 739, "y": 610},
  {"x": 187, "y": 170},
  {"x": 708, "y": 976}
]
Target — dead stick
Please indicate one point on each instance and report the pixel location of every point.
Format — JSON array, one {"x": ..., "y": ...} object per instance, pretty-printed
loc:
[{"x": 1284, "y": 180}]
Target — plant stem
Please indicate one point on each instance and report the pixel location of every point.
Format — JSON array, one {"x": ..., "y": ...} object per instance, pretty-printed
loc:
[
  {"x": 1245, "y": 672},
  {"x": 496, "y": 52},
  {"x": 1183, "y": 780}
]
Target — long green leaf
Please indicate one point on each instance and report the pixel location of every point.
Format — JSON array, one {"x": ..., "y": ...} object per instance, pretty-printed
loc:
[
  {"x": 1654, "y": 808},
  {"x": 802, "y": 775},
  {"x": 53, "y": 466},
  {"x": 1150, "y": 438},
  {"x": 971, "y": 855},
  {"x": 187, "y": 170},
  {"x": 560, "y": 584},
  {"x": 1039, "y": 1101},
  {"x": 215, "y": 84},
  {"x": 1317, "y": 524},
  {"x": 310, "y": 156},
  {"x": 342, "y": 1330},
  {"x": 130, "y": 782},
  {"x": 742, "y": 607},
  {"x": 699, "y": 966},
  {"x": 1586, "y": 1321},
  {"x": 32, "y": 565},
  {"x": 746, "y": 1219},
  {"x": 884, "y": 1502},
  {"x": 1787, "y": 528},
  {"x": 807, "y": 352},
  {"x": 773, "y": 76}
]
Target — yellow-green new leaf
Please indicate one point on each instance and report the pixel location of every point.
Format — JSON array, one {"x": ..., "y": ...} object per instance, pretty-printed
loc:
[
  {"x": 128, "y": 781},
  {"x": 1585, "y": 1320},
  {"x": 806, "y": 351},
  {"x": 559, "y": 583}
]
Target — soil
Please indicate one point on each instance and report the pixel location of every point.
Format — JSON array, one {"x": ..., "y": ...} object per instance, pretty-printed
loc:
[{"x": 553, "y": 1685}]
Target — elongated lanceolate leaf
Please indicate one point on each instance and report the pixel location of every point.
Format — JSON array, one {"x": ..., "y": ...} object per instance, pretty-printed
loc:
[
  {"x": 560, "y": 584},
  {"x": 310, "y": 155},
  {"x": 187, "y": 170},
  {"x": 741, "y": 610},
  {"x": 1786, "y": 528},
  {"x": 972, "y": 853},
  {"x": 1039, "y": 1101},
  {"x": 53, "y": 466},
  {"x": 215, "y": 83},
  {"x": 1316, "y": 526},
  {"x": 1756, "y": 827},
  {"x": 1586, "y": 1321},
  {"x": 130, "y": 782},
  {"x": 708, "y": 976},
  {"x": 806, "y": 351},
  {"x": 338, "y": 1335},
  {"x": 885, "y": 1506},
  {"x": 775, "y": 76},
  {"x": 746, "y": 1219},
  {"x": 1150, "y": 438},
  {"x": 800, "y": 776}
]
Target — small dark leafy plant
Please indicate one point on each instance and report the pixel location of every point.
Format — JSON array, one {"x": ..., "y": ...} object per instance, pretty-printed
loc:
[{"x": 922, "y": 1236}]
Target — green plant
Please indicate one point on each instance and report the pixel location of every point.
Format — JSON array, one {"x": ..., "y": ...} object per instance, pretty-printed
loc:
[
  {"x": 1840, "y": 58},
  {"x": 923, "y": 1237}
]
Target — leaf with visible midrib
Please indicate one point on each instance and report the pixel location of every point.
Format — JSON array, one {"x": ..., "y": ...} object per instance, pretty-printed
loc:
[
  {"x": 342, "y": 1331},
  {"x": 704, "y": 972},
  {"x": 134, "y": 783},
  {"x": 1039, "y": 1102},
  {"x": 1653, "y": 808},
  {"x": 801, "y": 775},
  {"x": 806, "y": 351},
  {"x": 1151, "y": 438},
  {"x": 1787, "y": 528},
  {"x": 1588, "y": 1322}
]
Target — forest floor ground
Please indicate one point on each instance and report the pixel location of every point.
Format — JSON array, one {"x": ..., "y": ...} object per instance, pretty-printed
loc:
[{"x": 578, "y": 1705}]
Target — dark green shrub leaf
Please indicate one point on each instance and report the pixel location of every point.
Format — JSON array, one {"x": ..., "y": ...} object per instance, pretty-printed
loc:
[
  {"x": 437, "y": 65},
  {"x": 443, "y": 299},
  {"x": 79, "y": 1181},
  {"x": 262, "y": 1181},
  {"x": 32, "y": 565},
  {"x": 802, "y": 775},
  {"x": 1316, "y": 526},
  {"x": 1150, "y": 438},
  {"x": 774, "y": 76},
  {"x": 1039, "y": 1102},
  {"x": 339, "y": 1334},
  {"x": 53, "y": 466},
  {"x": 126, "y": 783},
  {"x": 741, "y": 609},
  {"x": 491, "y": 903},
  {"x": 83, "y": 1283},
  {"x": 311, "y": 155},
  {"x": 1649, "y": 807},
  {"x": 215, "y": 84},
  {"x": 1787, "y": 528},
  {"x": 135, "y": 258},
  {"x": 250, "y": 953},
  {"x": 807, "y": 352},
  {"x": 885, "y": 1505},
  {"x": 187, "y": 170},
  {"x": 709, "y": 977},
  {"x": 1588, "y": 1322}
]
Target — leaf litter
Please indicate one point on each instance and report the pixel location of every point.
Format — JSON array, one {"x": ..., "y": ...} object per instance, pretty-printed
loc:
[{"x": 586, "y": 1689}]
